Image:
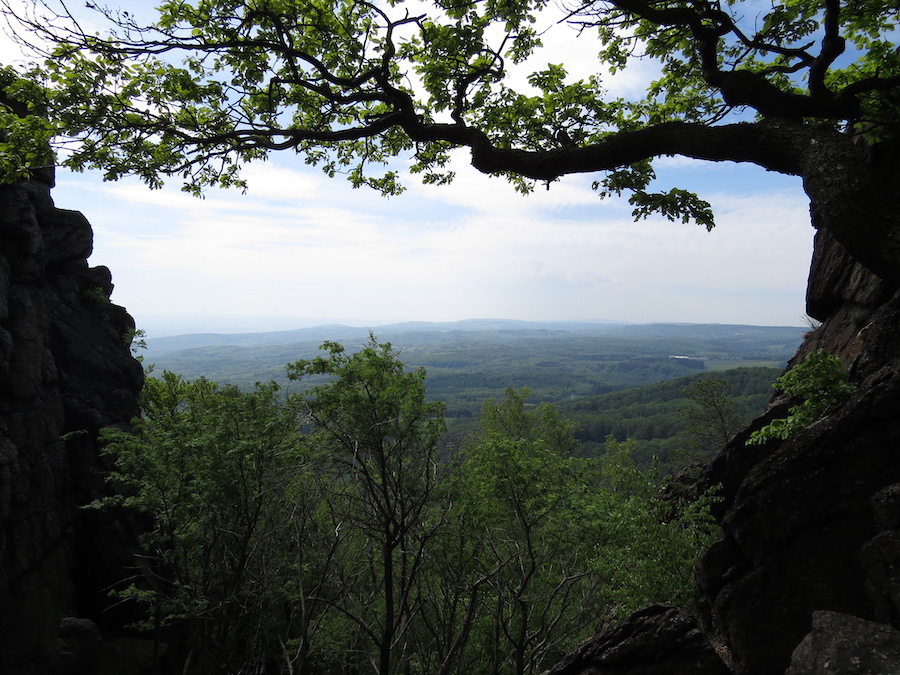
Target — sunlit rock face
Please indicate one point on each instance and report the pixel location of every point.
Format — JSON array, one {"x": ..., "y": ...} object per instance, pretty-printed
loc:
[{"x": 65, "y": 372}]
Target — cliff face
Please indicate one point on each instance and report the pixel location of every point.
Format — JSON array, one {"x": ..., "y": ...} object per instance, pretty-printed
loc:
[{"x": 65, "y": 371}]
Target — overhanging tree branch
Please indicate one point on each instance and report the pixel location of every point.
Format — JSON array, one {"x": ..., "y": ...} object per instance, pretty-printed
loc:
[{"x": 349, "y": 87}]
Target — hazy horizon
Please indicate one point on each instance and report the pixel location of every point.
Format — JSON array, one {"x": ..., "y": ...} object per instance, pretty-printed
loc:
[
  {"x": 161, "y": 328},
  {"x": 300, "y": 248}
]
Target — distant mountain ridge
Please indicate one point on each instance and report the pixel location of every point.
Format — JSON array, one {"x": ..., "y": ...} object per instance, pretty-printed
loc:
[
  {"x": 387, "y": 332},
  {"x": 467, "y": 362}
]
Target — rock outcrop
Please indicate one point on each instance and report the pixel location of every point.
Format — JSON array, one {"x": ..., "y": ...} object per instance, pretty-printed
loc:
[
  {"x": 846, "y": 645},
  {"x": 798, "y": 516},
  {"x": 657, "y": 640},
  {"x": 66, "y": 371}
]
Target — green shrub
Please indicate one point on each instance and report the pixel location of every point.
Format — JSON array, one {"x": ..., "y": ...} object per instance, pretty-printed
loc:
[{"x": 820, "y": 383}]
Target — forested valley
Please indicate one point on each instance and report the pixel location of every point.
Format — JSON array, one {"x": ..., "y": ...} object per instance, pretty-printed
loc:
[
  {"x": 622, "y": 381},
  {"x": 336, "y": 521}
]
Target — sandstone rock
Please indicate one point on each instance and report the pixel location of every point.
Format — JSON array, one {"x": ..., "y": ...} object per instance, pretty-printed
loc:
[
  {"x": 880, "y": 557},
  {"x": 80, "y": 647},
  {"x": 846, "y": 645},
  {"x": 836, "y": 280},
  {"x": 796, "y": 515},
  {"x": 657, "y": 640},
  {"x": 64, "y": 367}
]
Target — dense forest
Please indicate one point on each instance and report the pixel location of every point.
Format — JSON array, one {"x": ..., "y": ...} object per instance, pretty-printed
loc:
[
  {"x": 673, "y": 421},
  {"x": 497, "y": 553},
  {"x": 492, "y": 541},
  {"x": 628, "y": 382}
]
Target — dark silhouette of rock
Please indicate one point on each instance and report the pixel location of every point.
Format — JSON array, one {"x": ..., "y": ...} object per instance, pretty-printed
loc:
[
  {"x": 880, "y": 557},
  {"x": 80, "y": 647},
  {"x": 657, "y": 640},
  {"x": 846, "y": 645},
  {"x": 65, "y": 372}
]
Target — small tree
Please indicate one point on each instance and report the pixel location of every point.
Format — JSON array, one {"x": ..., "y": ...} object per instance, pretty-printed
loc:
[
  {"x": 375, "y": 437},
  {"x": 214, "y": 469},
  {"x": 710, "y": 415},
  {"x": 650, "y": 544},
  {"x": 819, "y": 384},
  {"x": 525, "y": 499}
]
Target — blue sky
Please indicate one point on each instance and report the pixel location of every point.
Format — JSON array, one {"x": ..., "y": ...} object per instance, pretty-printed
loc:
[{"x": 302, "y": 249}]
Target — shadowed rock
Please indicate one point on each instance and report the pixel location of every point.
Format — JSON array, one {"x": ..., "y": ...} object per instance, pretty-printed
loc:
[
  {"x": 846, "y": 645},
  {"x": 657, "y": 640},
  {"x": 65, "y": 372}
]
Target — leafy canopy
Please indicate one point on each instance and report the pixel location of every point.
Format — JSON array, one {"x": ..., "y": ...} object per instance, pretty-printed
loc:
[
  {"x": 320, "y": 531},
  {"x": 351, "y": 85}
]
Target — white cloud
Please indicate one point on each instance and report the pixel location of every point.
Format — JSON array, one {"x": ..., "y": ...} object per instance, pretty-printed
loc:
[
  {"x": 471, "y": 249},
  {"x": 300, "y": 245},
  {"x": 682, "y": 163}
]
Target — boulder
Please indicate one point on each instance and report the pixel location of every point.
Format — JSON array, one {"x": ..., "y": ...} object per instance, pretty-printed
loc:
[
  {"x": 80, "y": 647},
  {"x": 658, "y": 640},
  {"x": 846, "y": 645}
]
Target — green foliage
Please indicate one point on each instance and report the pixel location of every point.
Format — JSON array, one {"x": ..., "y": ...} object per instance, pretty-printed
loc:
[
  {"x": 820, "y": 383},
  {"x": 566, "y": 541},
  {"x": 664, "y": 421},
  {"x": 135, "y": 340},
  {"x": 711, "y": 416},
  {"x": 374, "y": 437},
  {"x": 466, "y": 367},
  {"x": 214, "y": 468},
  {"x": 651, "y": 545},
  {"x": 674, "y": 205},
  {"x": 212, "y": 85},
  {"x": 327, "y": 530},
  {"x": 25, "y": 133},
  {"x": 95, "y": 295},
  {"x": 525, "y": 501}
]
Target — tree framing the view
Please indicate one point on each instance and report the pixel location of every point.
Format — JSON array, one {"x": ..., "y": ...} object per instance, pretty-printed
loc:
[
  {"x": 378, "y": 438},
  {"x": 802, "y": 87}
]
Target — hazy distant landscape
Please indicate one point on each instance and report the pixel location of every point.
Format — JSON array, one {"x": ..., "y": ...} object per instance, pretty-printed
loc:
[
  {"x": 612, "y": 379},
  {"x": 558, "y": 361}
]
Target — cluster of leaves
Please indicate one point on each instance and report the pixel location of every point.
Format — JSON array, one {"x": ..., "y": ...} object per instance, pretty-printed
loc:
[
  {"x": 651, "y": 544},
  {"x": 353, "y": 85},
  {"x": 330, "y": 530},
  {"x": 711, "y": 416},
  {"x": 208, "y": 464},
  {"x": 526, "y": 507},
  {"x": 820, "y": 383},
  {"x": 25, "y": 133}
]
